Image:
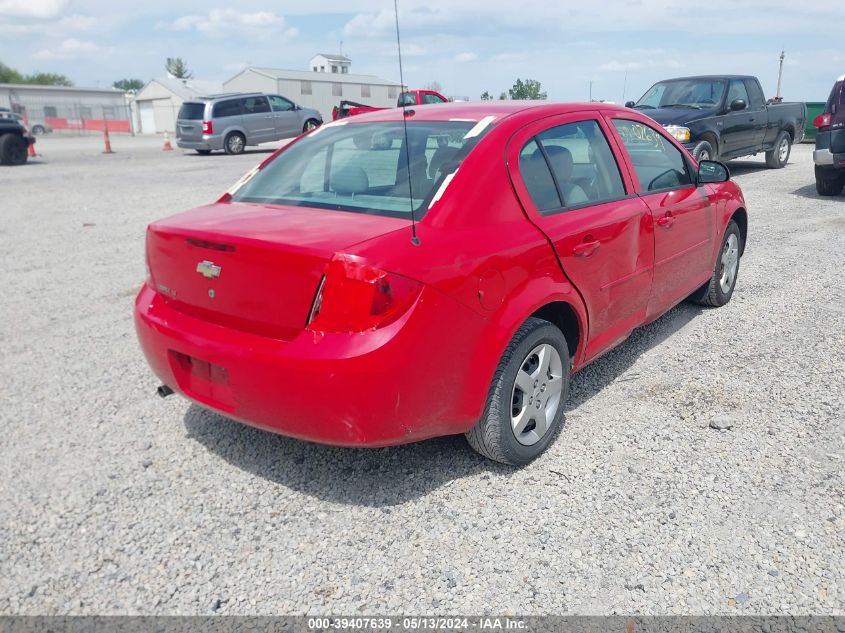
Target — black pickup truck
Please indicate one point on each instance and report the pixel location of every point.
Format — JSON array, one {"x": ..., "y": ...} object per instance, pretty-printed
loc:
[
  {"x": 14, "y": 142},
  {"x": 725, "y": 116}
]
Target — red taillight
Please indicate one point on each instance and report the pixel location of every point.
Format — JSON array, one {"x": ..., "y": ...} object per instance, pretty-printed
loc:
[
  {"x": 207, "y": 127},
  {"x": 354, "y": 297},
  {"x": 823, "y": 120}
]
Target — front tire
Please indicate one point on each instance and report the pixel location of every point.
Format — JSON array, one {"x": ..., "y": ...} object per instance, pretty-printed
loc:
[
  {"x": 310, "y": 124},
  {"x": 703, "y": 151},
  {"x": 524, "y": 409},
  {"x": 38, "y": 130},
  {"x": 13, "y": 150},
  {"x": 719, "y": 290},
  {"x": 829, "y": 182},
  {"x": 777, "y": 157},
  {"x": 234, "y": 143}
]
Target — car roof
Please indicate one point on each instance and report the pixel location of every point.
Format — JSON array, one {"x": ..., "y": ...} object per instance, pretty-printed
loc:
[
  {"x": 477, "y": 110},
  {"x": 709, "y": 77},
  {"x": 222, "y": 95}
]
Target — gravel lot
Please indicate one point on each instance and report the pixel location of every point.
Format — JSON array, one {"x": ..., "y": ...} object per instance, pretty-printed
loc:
[{"x": 114, "y": 501}]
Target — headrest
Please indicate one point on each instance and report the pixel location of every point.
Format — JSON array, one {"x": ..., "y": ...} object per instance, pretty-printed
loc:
[
  {"x": 350, "y": 180},
  {"x": 561, "y": 159}
]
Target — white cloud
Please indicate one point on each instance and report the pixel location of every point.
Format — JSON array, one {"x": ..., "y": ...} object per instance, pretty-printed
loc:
[
  {"x": 384, "y": 22},
  {"x": 55, "y": 28},
  {"x": 226, "y": 22},
  {"x": 72, "y": 48},
  {"x": 32, "y": 8},
  {"x": 465, "y": 57}
]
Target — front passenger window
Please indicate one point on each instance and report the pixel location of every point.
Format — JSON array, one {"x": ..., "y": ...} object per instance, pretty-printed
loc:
[
  {"x": 659, "y": 165},
  {"x": 280, "y": 104}
]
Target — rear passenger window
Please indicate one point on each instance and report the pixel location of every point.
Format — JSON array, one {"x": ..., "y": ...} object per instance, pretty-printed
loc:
[
  {"x": 537, "y": 177},
  {"x": 256, "y": 105},
  {"x": 582, "y": 163},
  {"x": 231, "y": 107},
  {"x": 659, "y": 165},
  {"x": 570, "y": 165}
]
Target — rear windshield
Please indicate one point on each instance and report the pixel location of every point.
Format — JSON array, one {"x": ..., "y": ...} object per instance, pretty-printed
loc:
[
  {"x": 192, "y": 111},
  {"x": 363, "y": 167},
  {"x": 837, "y": 96}
]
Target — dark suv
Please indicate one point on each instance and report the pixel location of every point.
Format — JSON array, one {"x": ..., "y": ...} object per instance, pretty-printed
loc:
[{"x": 829, "y": 156}]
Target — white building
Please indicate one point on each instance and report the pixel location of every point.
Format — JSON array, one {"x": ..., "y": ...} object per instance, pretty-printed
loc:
[
  {"x": 326, "y": 63},
  {"x": 319, "y": 90},
  {"x": 157, "y": 104}
]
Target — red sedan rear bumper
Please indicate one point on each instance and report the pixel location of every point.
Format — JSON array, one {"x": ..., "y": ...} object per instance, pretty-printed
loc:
[{"x": 398, "y": 384}]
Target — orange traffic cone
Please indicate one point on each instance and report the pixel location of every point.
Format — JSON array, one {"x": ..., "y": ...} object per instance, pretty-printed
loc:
[
  {"x": 167, "y": 146},
  {"x": 106, "y": 140},
  {"x": 31, "y": 150}
]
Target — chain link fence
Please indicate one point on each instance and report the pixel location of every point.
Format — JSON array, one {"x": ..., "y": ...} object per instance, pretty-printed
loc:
[{"x": 73, "y": 117}]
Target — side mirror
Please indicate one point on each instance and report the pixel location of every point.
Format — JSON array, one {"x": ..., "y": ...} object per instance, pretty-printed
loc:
[
  {"x": 738, "y": 104},
  {"x": 711, "y": 171},
  {"x": 630, "y": 104}
]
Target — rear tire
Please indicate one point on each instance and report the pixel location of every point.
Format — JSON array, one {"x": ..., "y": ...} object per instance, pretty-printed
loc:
[
  {"x": 829, "y": 182},
  {"x": 38, "y": 130},
  {"x": 778, "y": 156},
  {"x": 204, "y": 152},
  {"x": 527, "y": 396},
  {"x": 703, "y": 151},
  {"x": 234, "y": 143},
  {"x": 13, "y": 150},
  {"x": 720, "y": 288}
]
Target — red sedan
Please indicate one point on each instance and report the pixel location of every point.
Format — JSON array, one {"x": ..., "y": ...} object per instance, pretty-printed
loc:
[{"x": 307, "y": 303}]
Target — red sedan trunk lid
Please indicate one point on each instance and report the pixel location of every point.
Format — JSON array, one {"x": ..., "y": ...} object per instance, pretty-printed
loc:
[{"x": 252, "y": 267}]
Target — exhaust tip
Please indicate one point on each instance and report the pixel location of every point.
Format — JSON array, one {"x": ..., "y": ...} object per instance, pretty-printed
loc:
[{"x": 164, "y": 391}]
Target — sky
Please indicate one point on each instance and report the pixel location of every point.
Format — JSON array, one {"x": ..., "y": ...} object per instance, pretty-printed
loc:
[{"x": 621, "y": 47}]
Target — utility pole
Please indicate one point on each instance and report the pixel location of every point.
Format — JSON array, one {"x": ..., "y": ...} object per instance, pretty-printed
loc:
[
  {"x": 780, "y": 76},
  {"x": 591, "y": 91},
  {"x": 624, "y": 85}
]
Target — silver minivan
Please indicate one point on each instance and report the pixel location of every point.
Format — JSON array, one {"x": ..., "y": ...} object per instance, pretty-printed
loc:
[{"x": 232, "y": 121}]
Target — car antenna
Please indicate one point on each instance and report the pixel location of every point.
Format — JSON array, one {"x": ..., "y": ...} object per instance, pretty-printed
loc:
[{"x": 414, "y": 239}]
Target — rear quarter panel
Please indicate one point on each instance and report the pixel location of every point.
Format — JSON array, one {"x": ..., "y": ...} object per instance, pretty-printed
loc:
[{"x": 478, "y": 247}]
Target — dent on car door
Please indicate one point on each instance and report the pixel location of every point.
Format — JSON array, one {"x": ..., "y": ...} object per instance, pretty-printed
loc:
[
  {"x": 684, "y": 214},
  {"x": 568, "y": 181}
]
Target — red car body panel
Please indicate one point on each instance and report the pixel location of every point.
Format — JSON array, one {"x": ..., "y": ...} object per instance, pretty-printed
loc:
[{"x": 487, "y": 260}]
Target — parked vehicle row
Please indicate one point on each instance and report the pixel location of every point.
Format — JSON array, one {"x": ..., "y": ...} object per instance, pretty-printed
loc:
[
  {"x": 386, "y": 279},
  {"x": 829, "y": 156},
  {"x": 406, "y": 99},
  {"x": 725, "y": 117},
  {"x": 232, "y": 122}
]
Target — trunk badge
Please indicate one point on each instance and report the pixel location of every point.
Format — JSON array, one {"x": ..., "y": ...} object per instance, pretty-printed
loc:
[{"x": 208, "y": 270}]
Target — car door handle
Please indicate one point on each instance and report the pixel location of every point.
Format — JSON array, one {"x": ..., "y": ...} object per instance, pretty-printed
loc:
[
  {"x": 586, "y": 248},
  {"x": 666, "y": 221}
]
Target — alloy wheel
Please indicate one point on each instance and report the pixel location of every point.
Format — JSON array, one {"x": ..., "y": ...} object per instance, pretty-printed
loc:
[
  {"x": 783, "y": 150},
  {"x": 236, "y": 144},
  {"x": 730, "y": 263},
  {"x": 536, "y": 394}
]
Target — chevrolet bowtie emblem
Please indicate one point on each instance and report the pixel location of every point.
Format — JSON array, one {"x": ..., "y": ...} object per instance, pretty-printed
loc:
[{"x": 208, "y": 270}]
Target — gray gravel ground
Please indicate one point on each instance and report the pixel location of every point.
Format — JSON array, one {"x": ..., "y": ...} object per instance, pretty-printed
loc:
[{"x": 115, "y": 501}]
